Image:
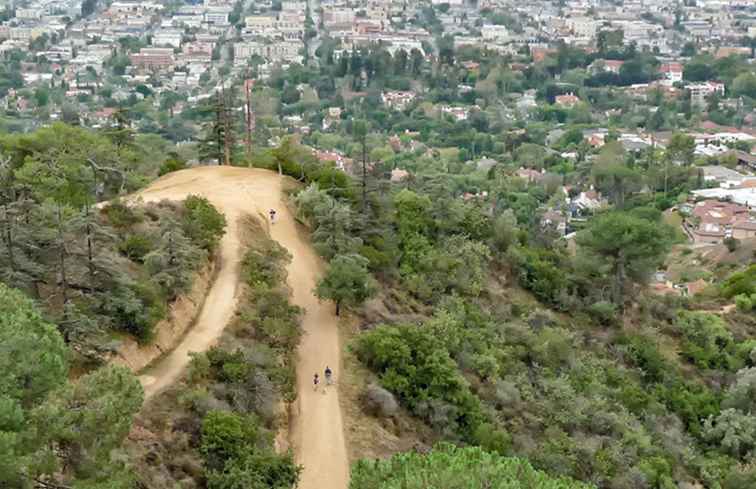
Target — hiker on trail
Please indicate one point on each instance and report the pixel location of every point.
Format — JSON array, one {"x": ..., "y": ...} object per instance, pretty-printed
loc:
[
  {"x": 272, "y": 216},
  {"x": 328, "y": 375},
  {"x": 315, "y": 382}
]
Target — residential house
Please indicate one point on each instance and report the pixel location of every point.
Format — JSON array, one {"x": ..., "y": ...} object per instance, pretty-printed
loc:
[
  {"x": 699, "y": 92},
  {"x": 713, "y": 220},
  {"x": 459, "y": 113},
  {"x": 723, "y": 176},
  {"x": 555, "y": 220},
  {"x": 744, "y": 194},
  {"x": 397, "y": 100},
  {"x": 340, "y": 161},
  {"x": 531, "y": 175},
  {"x": 587, "y": 202},
  {"x": 726, "y": 51},
  {"x": 569, "y": 100},
  {"x": 485, "y": 164},
  {"x": 744, "y": 228},
  {"x": 671, "y": 72},
  {"x": 610, "y": 65},
  {"x": 689, "y": 289},
  {"x": 332, "y": 116},
  {"x": 398, "y": 175}
]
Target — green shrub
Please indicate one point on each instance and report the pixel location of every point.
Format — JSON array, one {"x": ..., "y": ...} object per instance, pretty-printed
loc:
[
  {"x": 734, "y": 431},
  {"x": 646, "y": 356},
  {"x": 225, "y": 436},
  {"x": 121, "y": 215},
  {"x": 732, "y": 244},
  {"x": 203, "y": 224},
  {"x": 413, "y": 363},
  {"x": 449, "y": 467},
  {"x": 265, "y": 265},
  {"x": 706, "y": 340},
  {"x": 740, "y": 283},
  {"x": 603, "y": 311},
  {"x": 171, "y": 165},
  {"x": 265, "y": 470},
  {"x": 136, "y": 308},
  {"x": 737, "y": 479},
  {"x": 540, "y": 271},
  {"x": 658, "y": 472},
  {"x": 492, "y": 439},
  {"x": 744, "y": 303},
  {"x": 136, "y": 246},
  {"x": 693, "y": 403}
]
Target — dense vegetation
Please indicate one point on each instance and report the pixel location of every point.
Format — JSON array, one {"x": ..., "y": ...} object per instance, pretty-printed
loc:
[
  {"x": 216, "y": 428},
  {"x": 498, "y": 331},
  {"x": 99, "y": 267},
  {"x": 591, "y": 377},
  {"x": 448, "y": 467},
  {"x": 55, "y": 432}
]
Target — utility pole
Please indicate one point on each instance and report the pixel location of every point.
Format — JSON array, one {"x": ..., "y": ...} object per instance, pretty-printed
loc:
[
  {"x": 248, "y": 84},
  {"x": 219, "y": 128},
  {"x": 227, "y": 136}
]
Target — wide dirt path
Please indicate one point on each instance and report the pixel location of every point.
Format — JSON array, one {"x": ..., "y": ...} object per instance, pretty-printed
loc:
[{"x": 317, "y": 432}]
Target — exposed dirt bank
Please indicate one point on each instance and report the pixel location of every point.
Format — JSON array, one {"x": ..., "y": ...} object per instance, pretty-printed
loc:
[{"x": 170, "y": 331}]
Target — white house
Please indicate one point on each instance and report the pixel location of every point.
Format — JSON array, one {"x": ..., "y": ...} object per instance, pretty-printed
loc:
[
  {"x": 167, "y": 37},
  {"x": 495, "y": 33},
  {"x": 672, "y": 73},
  {"x": 700, "y": 91}
]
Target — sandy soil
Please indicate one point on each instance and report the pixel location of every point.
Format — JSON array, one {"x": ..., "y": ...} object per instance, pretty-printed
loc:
[{"x": 317, "y": 431}]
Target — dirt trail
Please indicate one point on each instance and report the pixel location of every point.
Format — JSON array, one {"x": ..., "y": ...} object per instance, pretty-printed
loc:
[{"x": 317, "y": 431}]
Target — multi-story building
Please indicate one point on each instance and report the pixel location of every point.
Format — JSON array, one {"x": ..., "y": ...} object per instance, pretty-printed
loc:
[
  {"x": 699, "y": 92},
  {"x": 28, "y": 13},
  {"x": 290, "y": 25},
  {"x": 197, "y": 52},
  {"x": 260, "y": 24},
  {"x": 583, "y": 26},
  {"x": 167, "y": 37},
  {"x": 153, "y": 58},
  {"x": 217, "y": 15},
  {"x": 334, "y": 18},
  {"x": 245, "y": 50},
  {"x": 495, "y": 33}
]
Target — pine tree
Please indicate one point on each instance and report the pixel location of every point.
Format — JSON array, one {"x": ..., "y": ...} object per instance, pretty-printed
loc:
[{"x": 220, "y": 133}]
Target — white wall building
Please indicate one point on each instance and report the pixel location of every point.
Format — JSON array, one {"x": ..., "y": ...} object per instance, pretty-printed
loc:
[
  {"x": 495, "y": 33},
  {"x": 167, "y": 37},
  {"x": 217, "y": 15}
]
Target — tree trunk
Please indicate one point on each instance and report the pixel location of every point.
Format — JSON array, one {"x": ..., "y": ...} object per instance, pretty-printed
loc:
[
  {"x": 171, "y": 250},
  {"x": 364, "y": 175},
  {"x": 620, "y": 194},
  {"x": 62, "y": 263},
  {"x": 9, "y": 239},
  {"x": 619, "y": 280},
  {"x": 90, "y": 250},
  {"x": 338, "y": 308}
]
